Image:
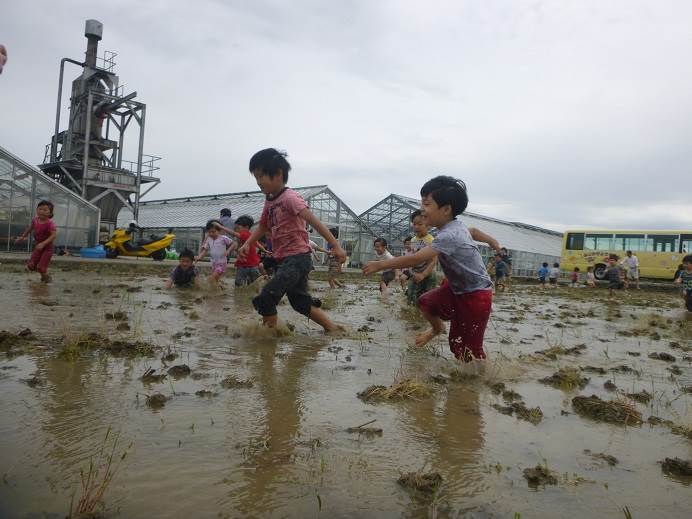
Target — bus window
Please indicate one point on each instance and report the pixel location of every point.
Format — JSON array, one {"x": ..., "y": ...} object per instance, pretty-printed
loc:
[
  {"x": 598, "y": 242},
  {"x": 686, "y": 243},
  {"x": 664, "y": 242},
  {"x": 575, "y": 241},
  {"x": 633, "y": 242}
]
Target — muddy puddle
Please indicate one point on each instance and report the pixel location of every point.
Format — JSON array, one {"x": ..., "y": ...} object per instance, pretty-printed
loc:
[{"x": 203, "y": 414}]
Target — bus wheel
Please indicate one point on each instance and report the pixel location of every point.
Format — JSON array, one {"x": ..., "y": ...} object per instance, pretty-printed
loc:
[{"x": 599, "y": 271}]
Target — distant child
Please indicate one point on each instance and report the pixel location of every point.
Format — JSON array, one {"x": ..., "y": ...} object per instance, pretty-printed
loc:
[
  {"x": 685, "y": 279},
  {"x": 554, "y": 274},
  {"x": 590, "y": 277},
  {"x": 631, "y": 264},
  {"x": 507, "y": 259},
  {"x": 422, "y": 275},
  {"x": 44, "y": 236},
  {"x": 543, "y": 273},
  {"x": 218, "y": 246},
  {"x": 501, "y": 269},
  {"x": 574, "y": 278},
  {"x": 465, "y": 297},
  {"x": 333, "y": 263},
  {"x": 406, "y": 273},
  {"x": 185, "y": 274},
  {"x": 382, "y": 254},
  {"x": 614, "y": 275},
  {"x": 246, "y": 270},
  {"x": 284, "y": 216},
  {"x": 268, "y": 264}
]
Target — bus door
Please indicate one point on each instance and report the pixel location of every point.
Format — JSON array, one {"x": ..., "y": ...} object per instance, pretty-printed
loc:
[{"x": 686, "y": 243}]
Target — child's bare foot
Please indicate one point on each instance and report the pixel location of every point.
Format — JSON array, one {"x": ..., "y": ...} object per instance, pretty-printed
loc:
[
  {"x": 45, "y": 278},
  {"x": 335, "y": 329},
  {"x": 425, "y": 337}
]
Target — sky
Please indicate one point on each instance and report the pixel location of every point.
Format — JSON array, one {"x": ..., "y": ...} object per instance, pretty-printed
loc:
[{"x": 555, "y": 113}]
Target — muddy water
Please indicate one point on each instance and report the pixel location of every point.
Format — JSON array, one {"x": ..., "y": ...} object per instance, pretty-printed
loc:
[{"x": 280, "y": 448}]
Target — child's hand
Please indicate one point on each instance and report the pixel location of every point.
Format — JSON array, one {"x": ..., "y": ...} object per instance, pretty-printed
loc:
[
  {"x": 418, "y": 277},
  {"x": 40, "y": 246},
  {"x": 339, "y": 254},
  {"x": 196, "y": 259},
  {"x": 370, "y": 267},
  {"x": 20, "y": 239},
  {"x": 243, "y": 252}
]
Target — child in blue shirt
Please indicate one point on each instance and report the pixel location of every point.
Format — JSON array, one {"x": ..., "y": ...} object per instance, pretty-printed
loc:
[{"x": 543, "y": 273}]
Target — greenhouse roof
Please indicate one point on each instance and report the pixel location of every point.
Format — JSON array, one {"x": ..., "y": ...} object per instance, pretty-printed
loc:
[
  {"x": 513, "y": 235},
  {"x": 195, "y": 211}
]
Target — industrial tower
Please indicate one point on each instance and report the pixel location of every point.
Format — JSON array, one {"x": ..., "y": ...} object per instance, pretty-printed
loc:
[{"x": 87, "y": 156}]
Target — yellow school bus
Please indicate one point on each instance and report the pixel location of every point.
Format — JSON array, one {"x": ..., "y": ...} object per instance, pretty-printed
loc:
[{"x": 659, "y": 252}]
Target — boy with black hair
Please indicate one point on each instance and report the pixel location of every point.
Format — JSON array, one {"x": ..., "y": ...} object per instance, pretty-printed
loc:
[
  {"x": 284, "y": 216},
  {"x": 614, "y": 274},
  {"x": 246, "y": 269},
  {"x": 685, "y": 280},
  {"x": 185, "y": 274},
  {"x": 543, "y": 273},
  {"x": 382, "y": 254},
  {"x": 422, "y": 275},
  {"x": 465, "y": 297},
  {"x": 406, "y": 273},
  {"x": 501, "y": 273}
]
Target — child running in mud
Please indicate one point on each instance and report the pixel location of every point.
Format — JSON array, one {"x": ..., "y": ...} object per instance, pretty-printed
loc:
[
  {"x": 44, "y": 235},
  {"x": 382, "y": 254},
  {"x": 574, "y": 278},
  {"x": 218, "y": 246},
  {"x": 422, "y": 275},
  {"x": 501, "y": 272},
  {"x": 685, "y": 280},
  {"x": 246, "y": 270},
  {"x": 543, "y": 273},
  {"x": 406, "y": 273},
  {"x": 553, "y": 275},
  {"x": 614, "y": 275},
  {"x": 185, "y": 274},
  {"x": 333, "y": 264},
  {"x": 465, "y": 297},
  {"x": 590, "y": 278},
  {"x": 284, "y": 216}
]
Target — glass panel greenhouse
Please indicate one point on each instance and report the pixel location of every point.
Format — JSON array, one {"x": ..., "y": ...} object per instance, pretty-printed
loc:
[
  {"x": 529, "y": 246},
  {"x": 22, "y": 186},
  {"x": 187, "y": 216}
]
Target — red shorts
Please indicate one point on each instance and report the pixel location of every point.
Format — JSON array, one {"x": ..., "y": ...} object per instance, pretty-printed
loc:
[{"x": 468, "y": 315}]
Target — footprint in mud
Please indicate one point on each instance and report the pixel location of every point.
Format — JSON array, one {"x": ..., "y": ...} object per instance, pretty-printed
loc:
[
  {"x": 181, "y": 370},
  {"x": 667, "y": 357},
  {"x": 609, "y": 459}
]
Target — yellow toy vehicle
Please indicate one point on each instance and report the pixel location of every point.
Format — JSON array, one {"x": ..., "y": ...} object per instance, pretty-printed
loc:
[{"x": 122, "y": 244}]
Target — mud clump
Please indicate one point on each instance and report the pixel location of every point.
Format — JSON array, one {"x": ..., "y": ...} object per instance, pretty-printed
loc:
[
  {"x": 532, "y": 415},
  {"x": 609, "y": 385},
  {"x": 123, "y": 327},
  {"x": 425, "y": 484},
  {"x": 555, "y": 351},
  {"x": 610, "y": 460},
  {"x": 205, "y": 393},
  {"x": 677, "y": 467},
  {"x": 181, "y": 370},
  {"x": 511, "y": 396},
  {"x": 539, "y": 476},
  {"x": 169, "y": 357},
  {"x": 34, "y": 381},
  {"x": 157, "y": 400},
  {"x": 404, "y": 390},
  {"x": 9, "y": 340},
  {"x": 667, "y": 357},
  {"x": 116, "y": 316},
  {"x": 369, "y": 432},
  {"x": 643, "y": 397},
  {"x": 497, "y": 387},
  {"x": 566, "y": 378},
  {"x": 606, "y": 411},
  {"x": 233, "y": 382},
  {"x": 75, "y": 346},
  {"x": 594, "y": 369},
  {"x": 151, "y": 377}
]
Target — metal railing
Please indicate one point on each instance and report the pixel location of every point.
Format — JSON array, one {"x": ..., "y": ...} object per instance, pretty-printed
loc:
[{"x": 148, "y": 165}]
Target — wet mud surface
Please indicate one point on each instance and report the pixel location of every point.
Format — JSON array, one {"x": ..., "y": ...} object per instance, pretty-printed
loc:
[{"x": 583, "y": 408}]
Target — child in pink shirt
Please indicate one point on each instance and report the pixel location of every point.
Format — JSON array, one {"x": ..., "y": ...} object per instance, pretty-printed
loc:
[
  {"x": 284, "y": 217},
  {"x": 218, "y": 246},
  {"x": 44, "y": 236}
]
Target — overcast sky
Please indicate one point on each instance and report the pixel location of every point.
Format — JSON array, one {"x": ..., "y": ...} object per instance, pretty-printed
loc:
[{"x": 558, "y": 113}]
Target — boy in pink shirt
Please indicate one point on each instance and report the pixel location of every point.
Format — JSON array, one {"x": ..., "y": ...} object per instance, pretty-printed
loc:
[
  {"x": 44, "y": 236},
  {"x": 284, "y": 217}
]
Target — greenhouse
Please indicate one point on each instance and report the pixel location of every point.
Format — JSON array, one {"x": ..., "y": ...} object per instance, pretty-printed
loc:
[
  {"x": 22, "y": 186},
  {"x": 529, "y": 246},
  {"x": 187, "y": 216}
]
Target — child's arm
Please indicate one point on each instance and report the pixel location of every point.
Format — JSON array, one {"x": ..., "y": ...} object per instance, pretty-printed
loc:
[
  {"x": 202, "y": 253},
  {"x": 677, "y": 280},
  {"x": 260, "y": 231},
  {"x": 400, "y": 262},
  {"x": 420, "y": 276},
  {"x": 231, "y": 247},
  {"x": 482, "y": 237},
  {"x": 26, "y": 232},
  {"x": 227, "y": 230},
  {"x": 169, "y": 283},
  {"x": 263, "y": 248},
  {"x": 337, "y": 251},
  {"x": 48, "y": 240}
]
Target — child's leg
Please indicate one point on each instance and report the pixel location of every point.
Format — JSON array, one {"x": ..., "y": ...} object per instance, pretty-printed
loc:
[
  {"x": 34, "y": 259},
  {"x": 291, "y": 275},
  {"x": 44, "y": 260},
  {"x": 467, "y": 327},
  {"x": 436, "y": 305},
  {"x": 301, "y": 300}
]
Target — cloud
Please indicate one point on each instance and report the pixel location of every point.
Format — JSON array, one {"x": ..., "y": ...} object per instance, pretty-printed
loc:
[{"x": 555, "y": 113}]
